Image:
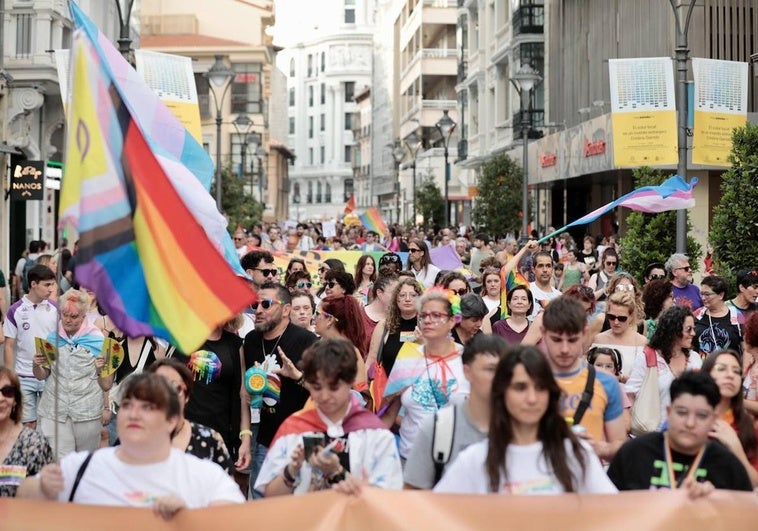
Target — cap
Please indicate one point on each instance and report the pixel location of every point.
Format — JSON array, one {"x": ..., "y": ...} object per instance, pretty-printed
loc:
[{"x": 472, "y": 305}]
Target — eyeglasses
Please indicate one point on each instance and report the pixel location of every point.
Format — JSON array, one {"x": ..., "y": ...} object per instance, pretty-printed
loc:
[
  {"x": 686, "y": 268},
  {"x": 8, "y": 391},
  {"x": 407, "y": 296},
  {"x": 268, "y": 272},
  {"x": 619, "y": 318},
  {"x": 389, "y": 258},
  {"x": 707, "y": 293},
  {"x": 433, "y": 317},
  {"x": 657, "y": 277},
  {"x": 625, "y": 287},
  {"x": 611, "y": 263},
  {"x": 323, "y": 269},
  {"x": 303, "y": 284},
  {"x": 239, "y": 239},
  {"x": 265, "y": 303},
  {"x": 460, "y": 292},
  {"x": 330, "y": 284},
  {"x": 327, "y": 315},
  {"x": 689, "y": 329},
  {"x": 412, "y": 251}
]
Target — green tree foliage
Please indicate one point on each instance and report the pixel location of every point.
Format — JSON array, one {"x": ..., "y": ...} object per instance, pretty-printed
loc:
[
  {"x": 429, "y": 201},
  {"x": 734, "y": 230},
  {"x": 497, "y": 209},
  {"x": 652, "y": 237},
  {"x": 238, "y": 207}
]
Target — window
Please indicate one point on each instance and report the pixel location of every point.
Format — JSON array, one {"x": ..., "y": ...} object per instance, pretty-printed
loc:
[
  {"x": 349, "y": 91},
  {"x": 292, "y": 125},
  {"x": 246, "y": 88},
  {"x": 292, "y": 67},
  {"x": 310, "y": 96},
  {"x": 348, "y": 121},
  {"x": 349, "y": 11},
  {"x": 24, "y": 25},
  {"x": 322, "y": 125},
  {"x": 203, "y": 96},
  {"x": 295, "y": 192},
  {"x": 323, "y": 94},
  {"x": 318, "y": 192},
  {"x": 323, "y": 61},
  {"x": 310, "y": 156},
  {"x": 349, "y": 189},
  {"x": 310, "y": 192},
  {"x": 310, "y": 127},
  {"x": 292, "y": 97},
  {"x": 323, "y": 154},
  {"x": 348, "y": 153},
  {"x": 310, "y": 65},
  {"x": 328, "y": 194}
]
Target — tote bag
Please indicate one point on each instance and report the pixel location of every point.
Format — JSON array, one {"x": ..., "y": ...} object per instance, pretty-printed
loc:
[{"x": 646, "y": 411}]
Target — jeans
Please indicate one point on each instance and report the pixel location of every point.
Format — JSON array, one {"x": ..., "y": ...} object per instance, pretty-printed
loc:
[{"x": 31, "y": 392}]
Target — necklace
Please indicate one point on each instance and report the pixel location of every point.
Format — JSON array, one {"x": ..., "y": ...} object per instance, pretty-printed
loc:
[
  {"x": 673, "y": 484},
  {"x": 273, "y": 350}
]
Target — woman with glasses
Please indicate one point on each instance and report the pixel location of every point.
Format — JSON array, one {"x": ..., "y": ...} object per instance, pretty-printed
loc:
[
  {"x": 455, "y": 282},
  {"x": 623, "y": 282},
  {"x": 622, "y": 314},
  {"x": 381, "y": 298},
  {"x": 420, "y": 263},
  {"x": 330, "y": 264},
  {"x": 365, "y": 275},
  {"x": 735, "y": 427},
  {"x": 657, "y": 296},
  {"x": 426, "y": 377},
  {"x": 23, "y": 451},
  {"x": 599, "y": 280},
  {"x": 338, "y": 283},
  {"x": 295, "y": 264},
  {"x": 339, "y": 316},
  {"x": 672, "y": 342},
  {"x": 302, "y": 309},
  {"x": 190, "y": 437},
  {"x": 717, "y": 325}
]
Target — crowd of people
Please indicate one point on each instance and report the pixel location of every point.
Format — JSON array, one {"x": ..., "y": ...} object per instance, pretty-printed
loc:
[{"x": 391, "y": 373}]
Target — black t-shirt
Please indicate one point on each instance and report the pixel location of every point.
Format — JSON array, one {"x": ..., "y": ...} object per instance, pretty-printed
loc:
[
  {"x": 395, "y": 342},
  {"x": 215, "y": 397},
  {"x": 716, "y": 333},
  {"x": 589, "y": 259},
  {"x": 292, "y": 397},
  {"x": 640, "y": 464}
]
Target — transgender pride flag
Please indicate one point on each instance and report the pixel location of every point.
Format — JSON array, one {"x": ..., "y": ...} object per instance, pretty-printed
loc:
[{"x": 674, "y": 194}]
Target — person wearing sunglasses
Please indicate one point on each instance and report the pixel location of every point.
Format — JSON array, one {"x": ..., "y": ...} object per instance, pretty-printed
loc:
[
  {"x": 654, "y": 271},
  {"x": 24, "y": 451},
  {"x": 277, "y": 344},
  {"x": 672, "y": 342},
  {"x": 338, "y": 283},
  {"x": 455, "y": 282},
  {"x": 685, "y": 292},
  {"x": 599, "y": 281},
  {"x": 622, "y": 314},
  {"x": 299, "y": 280},
  {"x": 420, "y": 263},
  {"x": 390, "y": 264},
  {"x": 260, "y": 266},
  {"x": 330, "y": 264},
  {"x": 240, "y": 243},
  {"x": 716, "y": 324}
]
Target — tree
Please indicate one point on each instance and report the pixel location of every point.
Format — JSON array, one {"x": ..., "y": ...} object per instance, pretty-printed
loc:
[
  {"x": 734, "y": 229},
  {"x": 429, "y": 201},
  {"x": 652, "y": 237},
  {"x": 239, "y": 208},
  {"x": 498, "y": 206}
]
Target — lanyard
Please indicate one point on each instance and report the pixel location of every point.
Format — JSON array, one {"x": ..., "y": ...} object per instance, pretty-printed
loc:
[{"x": 670, "y": 463}]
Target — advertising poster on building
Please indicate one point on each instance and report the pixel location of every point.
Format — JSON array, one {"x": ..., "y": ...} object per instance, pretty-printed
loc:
[
  {"x": 172, "y": 79},
  {"x": 28, "y": 181},
  {"x": 721, "y": 89},
  {"x": 643, "y": 108}
]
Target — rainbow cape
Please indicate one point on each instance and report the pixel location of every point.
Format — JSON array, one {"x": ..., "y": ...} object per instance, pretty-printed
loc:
[
  {"x": 514, "y": 278},
  {"x": 373, "y": 220},
  {"x": 141, "y": 249},
  {"x": 308, "y": 420}
]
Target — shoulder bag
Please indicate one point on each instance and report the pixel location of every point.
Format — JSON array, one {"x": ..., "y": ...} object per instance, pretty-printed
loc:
[{"x": 646, "y": 411}]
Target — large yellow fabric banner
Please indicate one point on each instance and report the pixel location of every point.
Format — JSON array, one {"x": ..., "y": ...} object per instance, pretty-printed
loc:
[{"x": 389, "y": 510}]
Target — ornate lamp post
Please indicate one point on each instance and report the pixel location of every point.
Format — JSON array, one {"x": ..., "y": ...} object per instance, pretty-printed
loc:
[
  {"x": 219, "y": 76},
  {"x": 413, "y": 142},
  {"x": 446, "y": 126}
]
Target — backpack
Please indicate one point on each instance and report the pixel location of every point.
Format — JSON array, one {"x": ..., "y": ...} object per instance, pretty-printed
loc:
[
  {"x": 24, "y": 275},
  {"x": 442, "y": 439}
]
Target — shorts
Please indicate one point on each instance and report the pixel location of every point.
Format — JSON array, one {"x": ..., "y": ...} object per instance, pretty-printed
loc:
[{"x": 31, "y": 392}]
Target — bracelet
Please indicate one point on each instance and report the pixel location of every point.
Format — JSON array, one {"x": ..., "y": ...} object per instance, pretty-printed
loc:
[
  {"x": 289, "y": 480},
  {"x": 301, "y": 381},
  {"x": 245, "y": 432}
]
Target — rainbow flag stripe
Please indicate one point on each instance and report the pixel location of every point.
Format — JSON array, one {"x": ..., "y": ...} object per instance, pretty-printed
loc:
[
  {"x": 373, "y": 220},
  {"x": 141, "y": 250},
  {"x": 514, "y": 278}
]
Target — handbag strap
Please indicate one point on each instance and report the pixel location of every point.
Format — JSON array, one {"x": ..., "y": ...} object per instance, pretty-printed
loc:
[
  {"x": 381, "y": 344},
  {"x": 79, "y": 474},
  {"x": 589, "y": 390},
  {"x": 651, "y": 359}
]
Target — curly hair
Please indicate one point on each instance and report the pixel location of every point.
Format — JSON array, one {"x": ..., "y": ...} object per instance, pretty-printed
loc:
[
  {"x": 751, "y": 329},
  {"x": 669, "y": 330},
  {"x": 393, "y": 312},
  {"x": 582, "y": 294},
  {"x": 343, "y": 278},
  {"x": 654, "y": 296}
]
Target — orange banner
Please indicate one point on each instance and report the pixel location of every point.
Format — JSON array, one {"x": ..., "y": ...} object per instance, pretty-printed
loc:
[{"x": 390, "y": 510}]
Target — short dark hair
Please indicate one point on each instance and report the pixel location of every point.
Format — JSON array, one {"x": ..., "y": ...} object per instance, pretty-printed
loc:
[
  {"x": 546, "y": 254},
  {"x": 696, "y": 383},
  {"x": 747, "y": 278},
  {"x": 650, "y": 267},
  {"x": 334, "y": 358},
  {"x": 483, "y": 344},
  {"x": 39, "y": 273},
  {"x": 343, "y": 278},
  {"x": 36, "y": 246},
  {"x": 564, "y": 315},
  {"x": 281, "y": 292},
  {"x": 172, "y": 363},
  {"x": 512, "y": 292},
  {"x": 482, "y": 236},
  {"x": 252, "y": 259},
  {"x": 153, "y": 389},
  {"x": 716, "y": 283}
]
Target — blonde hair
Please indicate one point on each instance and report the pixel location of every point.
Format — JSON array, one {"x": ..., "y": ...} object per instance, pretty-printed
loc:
[
  {"x": 629, "y": 301},
  {"x": 74, "y": 297}
]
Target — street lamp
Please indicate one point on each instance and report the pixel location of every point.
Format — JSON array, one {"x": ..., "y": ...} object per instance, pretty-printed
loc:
[
  {"x": 124, "y": 38},
  {"x": 398, "y": 153},
  {"x": 682, "y": 52},
  {"x": 446, "y": 126},
  {"x": 524, "y": 82},
  {"x": 413, "y": 142},
  {"x": 218, "y": 76},
  {"x": 261, "y": 154}
]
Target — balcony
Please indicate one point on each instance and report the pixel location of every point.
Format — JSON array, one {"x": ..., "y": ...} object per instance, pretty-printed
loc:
[{"x": 528, "y": 19}]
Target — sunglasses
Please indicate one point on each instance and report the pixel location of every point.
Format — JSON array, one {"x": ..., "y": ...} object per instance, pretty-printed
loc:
[
  {"x": 8, "y": 391},
  {"x": 268, "y": 272},
  {"x": 460, "y": 292},
  {"x": 619, "y": 318},
  {"x": 657, "y": 277},
  {"x": 412, "y": 251},
  {"x": 303, "y": 284},
  {"x": 489, "y": 270},
  {"x": 625, "y": 287},
  {"x": 611, "y": 263},
  {"x": 239, "y": 239},
  {"x": 389, "y": 258},
  {"x": 330, "y": 284},
  {"x": 689, "y": 329},
  {"x": 265, "y": 304},
  {"x": 327, "y": 315},
  {"x": 686, "y": 268}
]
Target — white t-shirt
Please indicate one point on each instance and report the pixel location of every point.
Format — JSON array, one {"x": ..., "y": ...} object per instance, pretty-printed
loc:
[
  {"x": 427, "y": 276},
  {"x": 427, "y": 395},
  {"x": 541, "y": 298},
  {"x": 24, "y": 322},
  {"x": 528, "y": 472},
  {"x": 110, "y": 481}
]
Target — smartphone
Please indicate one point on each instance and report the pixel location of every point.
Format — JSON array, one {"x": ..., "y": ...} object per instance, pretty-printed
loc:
[{"x": 310, "y": 442}]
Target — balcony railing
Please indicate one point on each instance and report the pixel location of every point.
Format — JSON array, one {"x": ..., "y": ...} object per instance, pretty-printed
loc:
[
  {"x": 438, "y": 104},
  {"x": 528, "y": 19}
]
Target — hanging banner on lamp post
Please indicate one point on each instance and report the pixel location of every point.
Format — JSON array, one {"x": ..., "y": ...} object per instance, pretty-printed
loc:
[
  {"x": 643, "y": 112},
  {"x": 721, "y": 89}
]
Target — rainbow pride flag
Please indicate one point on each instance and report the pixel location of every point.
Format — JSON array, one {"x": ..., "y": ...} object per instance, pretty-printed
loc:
[
  {"x": 373, "y": 220},
  {"x": 141, "y": 250},
  {"x": 514, "y": 278}
]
